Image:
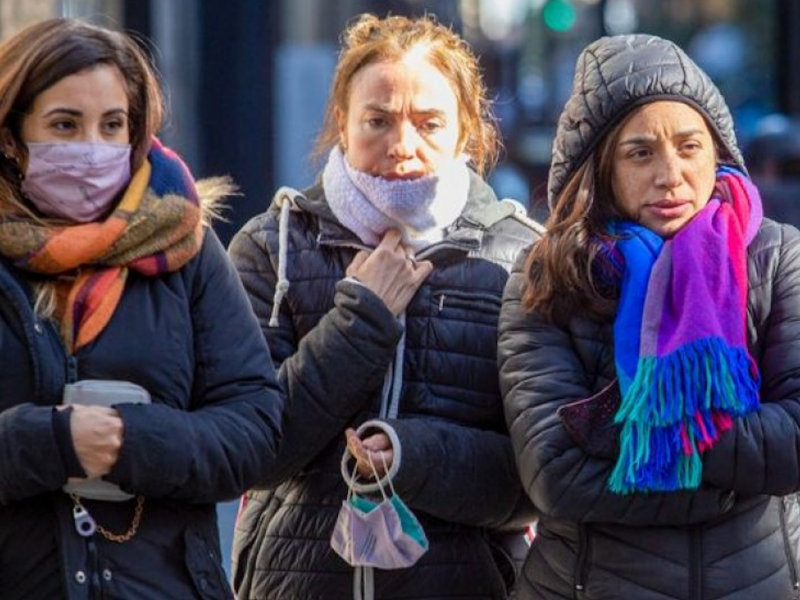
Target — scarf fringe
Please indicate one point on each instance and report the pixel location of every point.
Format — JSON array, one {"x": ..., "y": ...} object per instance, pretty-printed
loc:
[{"x": 675, "y": 409}]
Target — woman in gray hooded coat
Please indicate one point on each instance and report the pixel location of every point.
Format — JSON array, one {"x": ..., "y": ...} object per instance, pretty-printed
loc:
[{"x": 648, "y": 349}]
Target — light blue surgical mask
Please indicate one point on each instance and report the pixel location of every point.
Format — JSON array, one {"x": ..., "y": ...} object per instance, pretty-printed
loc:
[{"x": 383, "y": 534}]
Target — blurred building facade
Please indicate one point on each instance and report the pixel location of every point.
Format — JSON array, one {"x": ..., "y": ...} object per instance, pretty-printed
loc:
[{"x": 247, "y": 80}]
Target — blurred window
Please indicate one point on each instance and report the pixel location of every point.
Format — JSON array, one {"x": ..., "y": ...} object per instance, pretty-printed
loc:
[
  {"x": 529, "y": 48},
  {"x": 15, "y": 14},
  {"x": 732, "y": 40}
]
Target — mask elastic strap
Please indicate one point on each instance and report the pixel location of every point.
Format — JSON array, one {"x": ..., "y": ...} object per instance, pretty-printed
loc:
[
  {"x": 350, "y": 489},
  {"x": 385, "y": 470},
  {"x": 375, "y": 473}
]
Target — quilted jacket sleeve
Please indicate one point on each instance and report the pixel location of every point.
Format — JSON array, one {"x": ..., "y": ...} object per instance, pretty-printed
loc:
[
  {"x": 339, "y": 365},
  {"x": 229, "y": 437},
  {"x": 460, "y": 474},
  {"x": 761, "y": 454},
  {"x": 541, "y": 370},
  {"x": 29, "y": 447}
]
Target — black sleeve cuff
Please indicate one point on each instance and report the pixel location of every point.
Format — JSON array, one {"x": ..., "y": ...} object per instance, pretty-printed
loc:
[{"x": 63, "y": 436}]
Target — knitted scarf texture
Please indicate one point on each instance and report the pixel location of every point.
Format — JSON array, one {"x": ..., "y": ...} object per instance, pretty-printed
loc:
[
  {"x": 419, "y": 208},
  {"x": 681, "y": 353},
  {"x": 156, "y": 228}
]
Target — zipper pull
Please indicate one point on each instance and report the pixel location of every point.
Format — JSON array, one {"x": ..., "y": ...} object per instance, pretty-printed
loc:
[
  {"x": 441, "y": 303},
  {"x": 84, "y": 523}
]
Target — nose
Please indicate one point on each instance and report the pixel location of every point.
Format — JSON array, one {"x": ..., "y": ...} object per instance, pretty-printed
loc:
[
  {"x": 94, "y": 135},
  {"x": 405, "y": 144},
  {"x": 669, "y": 172}
]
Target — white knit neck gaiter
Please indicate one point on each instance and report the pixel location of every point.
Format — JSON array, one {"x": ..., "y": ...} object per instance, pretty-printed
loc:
[{"x": 419, "y": 208}]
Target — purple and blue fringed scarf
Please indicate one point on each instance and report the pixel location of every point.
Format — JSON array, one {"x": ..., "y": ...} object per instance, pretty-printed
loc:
[{"x": 680, "y": 339}]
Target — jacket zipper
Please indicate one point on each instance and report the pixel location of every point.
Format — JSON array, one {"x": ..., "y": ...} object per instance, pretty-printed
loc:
[
  {"x": 343, "y": 244},
  {"x": 582, "y": 560},
  {"x": 95, "y": 587},
  {"x": 695, "y": 558},
  {"x": 444, "y": 245},
  {"x": 469, "y": 297},
  {"x": 72, "y": 368},
  {"x": 787, "y": 545}
]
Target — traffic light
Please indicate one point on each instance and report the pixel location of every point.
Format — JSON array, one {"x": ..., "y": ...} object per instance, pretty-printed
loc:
[{"x": 559, "y": 15}]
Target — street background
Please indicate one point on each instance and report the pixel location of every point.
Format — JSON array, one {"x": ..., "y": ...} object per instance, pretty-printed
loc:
[{"x": 247, "y": 81}]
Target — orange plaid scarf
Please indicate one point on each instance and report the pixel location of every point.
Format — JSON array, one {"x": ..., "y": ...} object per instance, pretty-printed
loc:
[{"x": 156, "y": 228}]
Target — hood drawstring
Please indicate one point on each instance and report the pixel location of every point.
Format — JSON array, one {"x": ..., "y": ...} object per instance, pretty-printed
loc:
[
  {"x": 363, "y": 577},
  {"x": 393, "y": 382},
  {"x": 284, "y": 199}
]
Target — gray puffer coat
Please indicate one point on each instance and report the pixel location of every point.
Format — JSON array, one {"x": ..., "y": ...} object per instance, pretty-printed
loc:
[{"x": 333, "y": 345}]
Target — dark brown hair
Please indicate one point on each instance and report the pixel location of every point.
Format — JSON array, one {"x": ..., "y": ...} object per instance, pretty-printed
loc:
[{"x": 560, "y": 279}]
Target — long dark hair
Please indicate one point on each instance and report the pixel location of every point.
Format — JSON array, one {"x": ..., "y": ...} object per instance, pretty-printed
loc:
[{"x": 560, "y": 278}]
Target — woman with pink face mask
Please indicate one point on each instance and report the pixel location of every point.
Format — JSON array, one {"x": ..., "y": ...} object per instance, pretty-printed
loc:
[{"x": 135, "y": 388}]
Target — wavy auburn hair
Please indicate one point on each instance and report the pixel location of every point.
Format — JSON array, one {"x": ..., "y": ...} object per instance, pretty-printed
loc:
[{"x": 370, "y": 39}]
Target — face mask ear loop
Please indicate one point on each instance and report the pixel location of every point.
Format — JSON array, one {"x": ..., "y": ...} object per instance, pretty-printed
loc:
[
  {"x": 375, "y": 474},
  {"x": 386, "y": 470},
  {"x": 350, "y": 487}
]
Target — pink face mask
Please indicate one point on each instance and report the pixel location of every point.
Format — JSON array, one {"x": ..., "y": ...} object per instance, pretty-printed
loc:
[{"x": 77, "y": 181}]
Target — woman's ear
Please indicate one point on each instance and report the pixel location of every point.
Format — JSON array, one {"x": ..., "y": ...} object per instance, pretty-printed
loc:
[{"x": 8, "y": 145}]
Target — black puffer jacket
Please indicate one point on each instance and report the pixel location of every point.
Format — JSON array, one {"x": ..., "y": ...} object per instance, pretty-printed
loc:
[
  {"x": 190, "y": 338},
  {"x": 334, "y": 343},
  {"x": 737, "y": 537}
]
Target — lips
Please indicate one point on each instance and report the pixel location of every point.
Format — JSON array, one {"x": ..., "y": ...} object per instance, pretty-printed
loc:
[
  {"x": 402, "y": 176},
  {"x": 667, "y": 204},
  {"x": 669, "y": 209}
]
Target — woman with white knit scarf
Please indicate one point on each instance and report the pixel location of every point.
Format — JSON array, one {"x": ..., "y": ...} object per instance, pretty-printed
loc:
[{"x": 378, "y": 290}]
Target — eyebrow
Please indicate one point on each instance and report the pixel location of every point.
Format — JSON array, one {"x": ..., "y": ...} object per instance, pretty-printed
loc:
[
  {"x": 382, "y": 108},
  {"x": 77, "y": 113},
  {"x": 643, "y": 139}
]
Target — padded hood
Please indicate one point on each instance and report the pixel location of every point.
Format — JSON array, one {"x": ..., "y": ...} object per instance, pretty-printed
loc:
[{"x": 614, "y": 75}]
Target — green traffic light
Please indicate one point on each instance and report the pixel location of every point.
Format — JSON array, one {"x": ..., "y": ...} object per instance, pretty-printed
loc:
[{"x": 559, "y": 15}]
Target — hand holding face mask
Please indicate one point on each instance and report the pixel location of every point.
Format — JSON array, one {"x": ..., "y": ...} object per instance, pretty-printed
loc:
[
  {"x": 364, "y": 450},
  {"x": 383, "y": 534}
]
